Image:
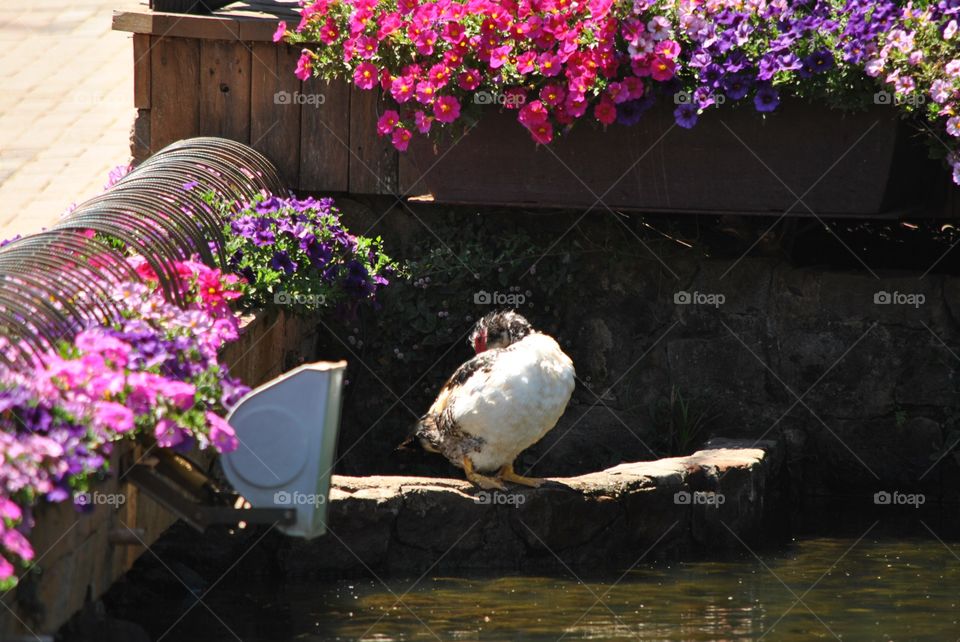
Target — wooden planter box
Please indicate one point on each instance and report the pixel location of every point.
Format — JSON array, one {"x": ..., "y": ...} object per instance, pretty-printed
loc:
[
  {"x": 222, "y": 75},
  {"x": 837, "y": 164}
]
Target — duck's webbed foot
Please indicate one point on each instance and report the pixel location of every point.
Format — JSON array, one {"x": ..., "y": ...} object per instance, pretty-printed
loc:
[
  {"x": 507, "y": 474},
  {"x": 484, "y": 482}
]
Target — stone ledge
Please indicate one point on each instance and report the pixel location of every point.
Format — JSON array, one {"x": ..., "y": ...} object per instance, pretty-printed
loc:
[{"x": 599, "y": 520}]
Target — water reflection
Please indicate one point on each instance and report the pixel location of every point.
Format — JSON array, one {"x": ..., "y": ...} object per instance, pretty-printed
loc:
[{"x": 820, "y": 588}]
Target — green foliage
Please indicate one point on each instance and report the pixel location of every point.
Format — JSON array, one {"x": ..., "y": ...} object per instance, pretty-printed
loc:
[{"x": 680, "y": 423}]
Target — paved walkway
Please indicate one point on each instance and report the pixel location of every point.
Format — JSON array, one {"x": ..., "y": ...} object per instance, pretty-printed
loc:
[{"x": 66, "y": 107}]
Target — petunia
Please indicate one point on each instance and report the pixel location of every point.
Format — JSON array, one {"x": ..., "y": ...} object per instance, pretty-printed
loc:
[
  {"x": 387, "y": 122},
  {"x": 168, "y": 434},
  {"x": 685, "y": 115},
  {"x": 280, "y": 32},
  {"x": 446, "y": 109},
  {"x": 766, "y": 99},
  {"x": 304, "y": 65},
  {"x": 365, "y": 76},
  {"x": 401, "y": 138},
  {"x": 222, "y": 435}
]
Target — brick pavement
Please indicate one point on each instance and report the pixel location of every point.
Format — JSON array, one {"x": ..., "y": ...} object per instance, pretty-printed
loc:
[{"x": 66, "y": 107}]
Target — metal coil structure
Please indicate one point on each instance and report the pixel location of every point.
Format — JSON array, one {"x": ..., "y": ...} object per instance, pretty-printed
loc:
[{"x": 56, "y": 282}]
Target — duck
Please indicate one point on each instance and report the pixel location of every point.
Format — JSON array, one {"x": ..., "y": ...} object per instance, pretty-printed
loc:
[{"x": 500, "y": 402}]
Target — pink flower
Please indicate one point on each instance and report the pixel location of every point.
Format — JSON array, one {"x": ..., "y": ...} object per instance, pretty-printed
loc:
[
  {"x": 605, "y": 111},
  {"x": 439, "y": 75},
  {"x": 329, "y": 33},
  {"x": 280, "y": 32},
  {"x": 402, "y": 88},
  {"x": 387, "y": 122},
  {"x": 426, "y": 92},
  {"x": 424, "y": 42},
  {"x": 168, "y": 433},
  {"x": 553, "y": 94},
  {"x": 549, "y": 65},
  {"x": 180, "y": 393},
  {"x": 9, "y": 510},
  {"x": 668, "y": 49},
  {"x": 500, "y": 56},
  {"x": 525, "y": 62},
  {"x": 222, "y": 435},
  {"x": 16, "y": 543},
  {"x": 366, "y": 75},
  {"x": 6, "y": 569},
  {"x": 422, "y": 121},
  {"x": 113, "y": 416},
  {"x": 542, "y": 133},
  {"x": 469, "y": 79},
  {"x": 367, "y": 46},
  {"x": 401, "y": 138},
  {"x": 304, "y": 65},
  {"x": 446, "y": 109},
  {"x": 533, "y": 113},
  {"x": 662, "y": 69}
]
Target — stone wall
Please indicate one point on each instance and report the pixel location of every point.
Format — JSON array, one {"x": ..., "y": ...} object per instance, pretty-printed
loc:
[{"x": 864, "y": 394}]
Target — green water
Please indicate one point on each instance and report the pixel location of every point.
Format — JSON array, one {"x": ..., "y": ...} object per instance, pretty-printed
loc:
[{"x": 874, "y": 589}]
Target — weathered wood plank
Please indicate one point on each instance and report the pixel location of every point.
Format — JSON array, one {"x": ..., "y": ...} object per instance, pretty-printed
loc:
[
  {"x": 325, "y": 136},
  {"x": 373, "y": 160},
  {"x": 225, "y": 89},
  {"x": 274, "y": 114},
  {"x": 175, "y": 90},
  {"x": 141, "y": 71},
  {"x": 226, "y": 24}
]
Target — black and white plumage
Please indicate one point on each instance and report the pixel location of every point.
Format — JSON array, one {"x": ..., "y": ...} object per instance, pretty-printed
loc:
[{"x": 500, "y": 402}]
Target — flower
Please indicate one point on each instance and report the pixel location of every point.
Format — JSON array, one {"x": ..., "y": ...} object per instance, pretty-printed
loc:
[
  {"x": 304, "y": 65},
  {"x": 365, "y": 77},
  {"x": 222, "y": 435},
  {"x": 168, "y": 434},
  {"x": 387, "y": 122},
  {"x": 685, "y": 115},
  {"x": 109, "y": 415},
  {"x": 401, "y": 138},
  {"x": 446, "y": 109},
  {"x": 766, "y": 99},
  {"x": 281, "y": 31}
]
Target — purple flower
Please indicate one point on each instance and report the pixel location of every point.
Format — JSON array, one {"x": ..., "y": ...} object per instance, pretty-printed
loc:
[
  {"x": 281, "y": 261},
  {"x": 817, "y": 63},
  {"x": 685, "y": 115},
  {"x": 736, "y": 86},
  {"x": 766, "y": 99}
]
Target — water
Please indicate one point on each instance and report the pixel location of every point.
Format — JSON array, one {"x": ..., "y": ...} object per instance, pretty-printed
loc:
[{"x": 872, "y": 589}]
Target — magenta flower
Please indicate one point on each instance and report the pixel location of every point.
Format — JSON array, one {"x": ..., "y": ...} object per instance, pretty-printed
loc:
[
  {"x": 446, "y": 109},
  {"x": 401, "y": 138},
  {"x": 387, "y": 122},
  {"x": 366, "y": 75},
  {"x": 304, "y": 65},
  {"x": 113, "y": 416},
  {"x": 168, "y": 434},
  {"x": 222, "y": 435},
  {"x": 500, "y": 56},
  {"x": 280, "y": 32}
]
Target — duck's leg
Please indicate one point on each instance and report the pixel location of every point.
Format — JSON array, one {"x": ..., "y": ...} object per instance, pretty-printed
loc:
[
  {"x": 507, "y": 474},
  {"x": 487, "y": 483}
]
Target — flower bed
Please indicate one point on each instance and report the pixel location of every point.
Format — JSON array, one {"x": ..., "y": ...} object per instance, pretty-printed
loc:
[
  {"x": 154, "y": 375},
  {"x": 554, "y": 62}
]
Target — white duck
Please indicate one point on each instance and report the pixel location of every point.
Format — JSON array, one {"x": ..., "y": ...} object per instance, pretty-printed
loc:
[{"x": 500, "y": 402}]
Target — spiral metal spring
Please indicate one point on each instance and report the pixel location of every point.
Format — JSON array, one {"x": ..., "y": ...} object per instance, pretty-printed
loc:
[{"x": 55, "y": 282}]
